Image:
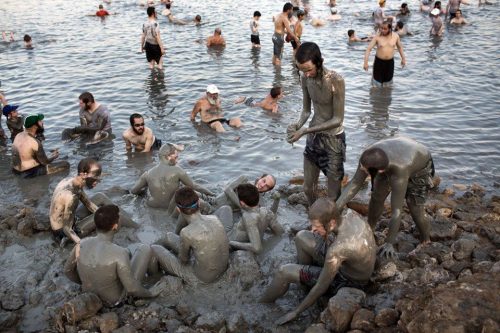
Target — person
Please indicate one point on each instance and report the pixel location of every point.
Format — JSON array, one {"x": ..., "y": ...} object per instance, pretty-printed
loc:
[
  {"x": 298, "y": 29},
  {"x": 383, "y": 66},
  {"x": 164, "y": 179},
  {"x": 380, "y": 17},
  {"x": 335, "y": 16},
  {"x": 400, "y": 166},
  {"x": 458, "y": 19},
  {"x": 3, "y": 103},
  {"x": 210, "y": 110},
  {"x": 402, "y": 30},
  {"x": 254, "y": 29},
  {"x": 437, "y": 28},
  {"x": 28, "y": 156},
  {"x": 269, "y": 103},
  {"x": 204, "y": 237},
  {"x": 347, "y": 261},
  {"x": 4, "y": 36},
  {"x": 426, "y": 5},
  {"x": 353, "y": 38},
  {"x": 248, "y": 233},
  {"x": 101, "y": 12},
  {"x": 282, "y": 25},
  {"x": 216, "y": 39},
  {"x": 172, "y": 19},
  {"x": 404, "y": 10},
  {"x": 437, "y": 5},
  {"x": 151, "y": 40},
  {"x": 140, "y": 136},
  {"x": 104, "y": 268},
  {"x": 28, "y": 41},
  {"x": 14, "y": 120},
  {"x": 325, "y": 144}
]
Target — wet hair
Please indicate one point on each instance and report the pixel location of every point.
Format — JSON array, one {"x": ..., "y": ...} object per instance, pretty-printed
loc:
[
  {"x": 374, "y": 158},
  {"x": 287, "y": 7},
  {"x": 197, "y": 18},
  {"x": 257, "y": 13},
  {"x": 186, "y": 200},
  {"x": 27, "y": 38},
  {"x": 265, "y": 175},
  {"x": 400, "y": 25},
  {"x": 106, "y": 217},
  {"x": 86, "y": 164},
  {"x": 275, "y": 92},
  {"x": 324, "y": 210},
  {"x": 151, "y": 11},
  {"x": 134, "y": 116},
  {"x": 249, "y": 194},
  {"x": 437, "y": 4},
  {"x": 167, "y": 150},
  {"x": 404, "y": 5},
  {"x": 309, "y": 51},
  {"x": 86, "y": 97},
  {"x": 458, "y": 11},
  {"x": 218, "y": 31},
  {"x": 300, "y": 13},
  {"x": 350, "y": 32},
  {"x": 101, "y": 7},
  {"x": 167, "y": 5}
]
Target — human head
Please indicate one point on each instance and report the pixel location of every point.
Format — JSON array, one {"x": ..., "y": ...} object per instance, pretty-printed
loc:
[
  {"x": 400, "y": 25},
  {"x": 373, "y": 161},
  {"x": 265, "y": 183},
  {"x": 437, "y": 4},
  {"x": 101, "y": 7},
  {"x": 10, "y": 110},
  {"x": 197, "y": 18},
  {"x": 169, "y": 153},
  {"x": 288, "y": 7},
  {"x": 33, "y": 120},
  {"x": 324, "y": 216},
  {"x": 257, "y": 14},
  {"x": 27, "y": 38},
  {"x": 386, "y": 28},
  {"x": 334, "y": 10},
  {"x": 404, "y": 5},
  {"x": 212, "y": 94},
  {"x": 168, "y": 5},
  {"x": 248, "y": 194},
  {"x": 309, "y": 59},
  {"x": 217, "y": 31},
  {"x": 186, "y": 200},
  {"x": 106, "y": 218},
  {"x": 86, "y": 100},
  {"x": 458, "y": 12},
  {"x": 151, "y": 11},
  {"x": 137, "y": 123},
  {"x": 301, "y": 14},
  {"x": 381, "y": 3},
  {"x": 350, "y": 32},
  {"x": 90, "y": 170},
  {"x": 275, "y": 92}
]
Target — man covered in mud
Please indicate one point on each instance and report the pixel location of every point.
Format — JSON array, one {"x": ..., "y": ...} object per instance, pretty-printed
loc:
[
  {"x": 140, "y": 136},
  {"x": 325, "y": 145},
  {"x": 204, "y": 237},
  {"x": 400, "y": 165},
  {"x": 28, "y": 156},
  {"x": 211, "y": 112},
  {"x": 165, "y": 178},
  {"x": 347, "y": 261},
  {"x": 105, "y": 268}
]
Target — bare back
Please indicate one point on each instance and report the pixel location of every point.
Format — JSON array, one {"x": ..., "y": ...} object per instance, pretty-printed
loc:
[
  {"x": 281, "y": 23},
  {"x": 65, "y": 200},
  {"x": 25, "y": 149}
]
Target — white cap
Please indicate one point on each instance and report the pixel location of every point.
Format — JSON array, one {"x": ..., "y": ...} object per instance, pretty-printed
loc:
[
  {"x": 435, "y": 11},
  {"x": 212, "y": 89}
]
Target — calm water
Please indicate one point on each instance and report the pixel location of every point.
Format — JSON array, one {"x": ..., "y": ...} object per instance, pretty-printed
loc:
[{"x": 447, "y": 97}]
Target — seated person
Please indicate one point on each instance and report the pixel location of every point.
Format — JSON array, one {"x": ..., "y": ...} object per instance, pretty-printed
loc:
[
  {"x": 269, "y": 103},
  {"x": 404, "y": 10},
  {"x": 28, "y": 156},
  {"x": 348, "y": 261},
  {"x": 458, "y": 19},
  {"x": 140, "y": 136},
  {"x": 204, "y": 237},
  {"x": 264, "y": 184},
  {"x": 353, "y": 38},
  {"x": 165, "y": 178},
  {"x": 106, "y": 269},
  {"x": 402, "y": 30},
  {"x": 216, "y": 39}
]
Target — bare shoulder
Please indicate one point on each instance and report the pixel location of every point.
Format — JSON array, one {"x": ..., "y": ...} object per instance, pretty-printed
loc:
[
  {"x": 126, "y": 134},
  {"x": 148, "y": 132}
]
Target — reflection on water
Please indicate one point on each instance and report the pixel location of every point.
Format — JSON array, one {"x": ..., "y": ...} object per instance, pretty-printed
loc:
[{"x": 378, "y": 117}]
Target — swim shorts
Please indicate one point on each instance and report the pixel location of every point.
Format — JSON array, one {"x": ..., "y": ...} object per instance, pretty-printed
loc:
[
  {"x": 278, "y": 43},
  {"x": 153, "y": 52},
  {"x": 309, "y": 275},
  {"x": 255, "y": 39},
  {"x": 156, "y": 144},
  {"x": 383, "y": 70},
  {"x": 327, "y": 152},
  {"x": 221, "y": 120},
  {"x": 39, "y": 170},
  {"x": 420, "y": 183},
  {"x": 250, "y": 101}
]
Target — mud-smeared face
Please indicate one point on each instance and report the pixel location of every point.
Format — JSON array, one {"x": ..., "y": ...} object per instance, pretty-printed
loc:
[
  {"x": 93, "y": 177},
  {"x": 308, "y": 68}
]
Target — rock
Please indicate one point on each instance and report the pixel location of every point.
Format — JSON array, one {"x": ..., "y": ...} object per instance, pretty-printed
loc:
[
  {"x": 13, "y": 300},
  {"x": 437, "y": 250},
  {"x": 172, "y": 325},
  {"x": 298, "y": 198},
  {"x": 444, "y": 212},
  {"x": 172, "y": 285},
  {"x": 151, "y": 324},
  {"x": 7, "y": 319},
  {"x": 244, "y": 268},
  {"x": 482, "y": 267},
  {"x": 456, "y": 266},
  {"x": 41, "y": 224},
  {"x": 464, "y": 273},
  {"x": 490, "y": 326},
  {"x": 35, "y": 297},
  {"x": 448, "y": 192},
  {"x": 108, "y": 322},
  {"x": 316, "y": 328},
  {"x": 385, "y": 272},
  {"x": 183, "y": 309},
  {"x": 496, "y": 267},
  {"x": 442, "y": 229},
  {"x": 386, "y": 317},
  {"x": 185, "y": 329},
  {"x": 125, "y": 329},
  {"x": 420, "y": 259},
  {"x": 462, "y": 248},
  {"x": 363, "y": 320},
  {"x": 288, "y": 190},
  {"x": 480, "y": 254},
  {"x": 82, "y": 306},
  {"x": 236, "y": 323},
  {"x": 341, "y": 307},
  {"x": 211, "y": 321},
  {"x": 25, "y": 227},
  {"x": 460, "y": 187}
]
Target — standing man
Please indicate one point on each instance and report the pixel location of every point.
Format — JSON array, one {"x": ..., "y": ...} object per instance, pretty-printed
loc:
[
  {"x": 325, "y": 145},
  {"x": 140, "y": 136},
  {"x": 404, "y": 167},
  {"x": 452, "y": 7},
  {"x": 254, "y": 28},
  {"x": 383, "y": 66},
  {"x": 28, "y": 157},
  {"x": 151, "y": 40},
  {"x": 282, "y": 24}
]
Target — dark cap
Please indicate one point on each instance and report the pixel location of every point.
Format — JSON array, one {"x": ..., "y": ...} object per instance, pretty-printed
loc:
[
  {"x": 9, "y": 108},
  {"x": 32, "y": 119}
]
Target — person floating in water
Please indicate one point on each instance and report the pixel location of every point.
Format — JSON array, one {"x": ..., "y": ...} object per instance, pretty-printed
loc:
[
  {"x": 28, "y": 42},
  {"x": 139, "y": 136},
  {"x": 402, "y": 29},
  {"x": 353, "y": 38},
  {"x": 269, "y": 103},
  {"x": 383, "y": 66}
]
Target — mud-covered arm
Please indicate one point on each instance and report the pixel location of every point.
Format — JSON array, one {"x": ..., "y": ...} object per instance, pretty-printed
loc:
[
  {"x": 252, "y": 230},
  {"x": 140, "y": 184},
  {"x": 41, "y": 157},
  {"x": 184, "y": 247},
  {"x": 351, "y": 189},
  {"x": 186, "y": 180},
  {"x": 306, "y": 103},
  {"x": 181, "y": 223},
  {"x": 92, "y": 207},
  {"x": 398, "y": 194},
  {"x": 230, "y": 193},
  {"x": 131, "y": 285},
  {"x": 70, "y": 267},
  {"x": 62, "y": 211},
  {"x": 274, "y": 225}
]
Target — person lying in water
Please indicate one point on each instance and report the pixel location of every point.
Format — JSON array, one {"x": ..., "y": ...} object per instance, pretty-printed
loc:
[{"x": 269, "y": 103}]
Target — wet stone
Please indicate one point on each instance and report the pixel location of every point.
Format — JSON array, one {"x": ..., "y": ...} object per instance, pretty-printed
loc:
[
  {"x": 341, "y": 307},
  {"x": 495, "y": 268},
  {"x": 316, "y": 328},
  {"x": 482, "y": 267},
  {"x": 490, "y": 326},
  {"x": 464, "y": 273},
  {"x": 387, "y": 317},
  {"x": 437, "y": 250},
  {"x": 7, "y": 319},
  {"x": 185, "y": 329},
  {"x": 363, "y": 320},
  {"x": 236, "y": 323},
  {"x": 298, "y": 198},
  {"x": 462, "y": 248},
  {"x": 172, "y": 325},
  {"x": 108, "y": 322},
  {"x": 480, "y": 254},
  {"x": 25, "y": 227},
  {"x": 212, "y": 321},
  {"x": 386, "y": 271},
  {"x": 125, "y": 329},
  {"x": 244, "y": 267},
  {"x": 456, "y": 266},
  {"x": 13, "y": 300},
  {"x": 442, "y": 229}
]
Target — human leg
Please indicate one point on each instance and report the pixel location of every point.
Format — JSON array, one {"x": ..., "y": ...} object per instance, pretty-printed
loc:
[
  {"x": 141, "y": 261},
  {"x": 217, "y": 126},
  {"x": 380, "y": 191},
  {"x": 170, "y": 264},
  {"x": 311, "y": 174},
  {"x": 101, "y": 199},
  {"x": 235, "y": 122},
  {"x": 286, "y": 274},
  {"x": 422, "y": 220},
  {"x": 307, "y": 243}
]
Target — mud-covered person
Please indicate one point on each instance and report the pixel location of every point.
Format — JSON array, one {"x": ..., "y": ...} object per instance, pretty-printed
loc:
[
  {"x": 105, "y": 268},
  {"x": 204, "y": 237},
  {"x": 325, "y": 144},
  {"x": 347, "y": 261},
  {"x": 28, "y": 156},
  {"x": 139, "y": 136}
]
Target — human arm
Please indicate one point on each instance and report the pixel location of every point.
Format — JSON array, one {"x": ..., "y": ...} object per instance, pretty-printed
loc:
[
  {"x": 196, "y": 109},
  {"x": 184, "y": 247},
  {"x": 399, "y": 45},
  {"x": 255, "y": 244},
  {"x": 293, "y": 133},
  {"x": 143, "y": 39},
  {"x": 158, "y": 40},
  {"x": 289, "y": 31},
  {"x": 128, "y": 144},
  {"x": 92, "y": 207},
  {"x": 367, "y": 52},
  {"x": 131, "y": 285},
  {"x": 70, "y": 267},
  {"x": 352, "y": 188},
  {"x": 41, "y": 157},
  {"x": 230, "y": 193},
  {"x": 150, "y": 139},
  {"x": 186, "y": 180},
  {"x": 140, "y": 184}
]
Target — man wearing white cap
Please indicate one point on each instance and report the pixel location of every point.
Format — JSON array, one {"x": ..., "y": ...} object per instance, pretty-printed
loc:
[{"x": 211, "y": 112}]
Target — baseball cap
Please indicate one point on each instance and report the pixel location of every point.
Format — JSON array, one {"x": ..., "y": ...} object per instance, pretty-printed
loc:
[
  {"x": 435, "y": 11},
  {"x": 8, "y": 109},
  {"x": 212, "y": 88},
  {"x": 32, "y": 119}
]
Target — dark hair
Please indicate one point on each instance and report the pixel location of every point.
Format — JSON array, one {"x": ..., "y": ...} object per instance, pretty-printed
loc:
[
  {"x": 218, "y": 31},
  {"x": 309, "y": 51},
  {"x": 86, "y": 164},
  {"x": 301, "y": 13},
  {"x": 275, "y": 92},
  {"x": 27, "y": 38},
  {"x": 459, "y": 10},
  {"x": 101, "y": 7},
  {"x": 287, "y": 7},
  {"x": 249, "y": 194},
  {"x": 404, "y": 5},
  {"x": 167, "y": 5},
  {"x": 106, "y": 217},
  {"x": 388, "y": 24},
  {"x": 350, "y": 32},
  {"x": 324, "y": 210},
  {"x": 151, "y": 11},
  {"x": 86, "y": 97},
  {"x": 400, "y": 24},
  {"x": 374, "y": 158},
  {"x": 134, "y": 116},
  {"x": 186, "y": 200},
  {"x": 437, "y": 4},
  {"x": 257, "y": 13},
  {"x": 198, "y": 18}
]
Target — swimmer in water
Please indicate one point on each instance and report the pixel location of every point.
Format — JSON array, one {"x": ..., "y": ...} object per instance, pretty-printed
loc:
[
  {"x": 139, "y": 136},
  {"x": 216, "y": 39},
  {"x": 353, "y": 38},
  {"x": 402, "y": 29},
  {"x": 458, "y": 19},
  {"x": 28, "y": 42},
  {"x": 269, "y": 103}
]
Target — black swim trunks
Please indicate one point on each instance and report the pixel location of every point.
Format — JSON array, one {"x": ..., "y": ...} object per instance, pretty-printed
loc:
[
  {"x": 383, "y": 70},
  {"x": 294, "y": 44},
  {"x": 309, "y": 275},
  {"x": 156, "y": 144},
  {"x": 452, "y": 15},
  {"x": 255, "y": 39},
  {"x": 153, "y": 52},
  {"x": 278, "y": 43},
  {"x": 221, "y": 120},
  {"x": 420, "y": 183},
  {"x": 39, "y": 170},
  {"x": 327, "y": 152}
]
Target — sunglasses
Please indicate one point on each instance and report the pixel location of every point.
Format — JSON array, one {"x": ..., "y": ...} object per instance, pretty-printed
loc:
[{"x": 139, "y": 125}]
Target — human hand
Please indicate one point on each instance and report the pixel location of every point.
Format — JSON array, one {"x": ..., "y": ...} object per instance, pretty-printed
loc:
[
  {"x": 403, "y": 62},
  {"x": 365, "y": 66},
  {"x": 295, "y": 136},
  {"x": 55, "y": 154},
  {"x": 387, "y": 251},
  {"x": 286, "y": 318},
  {"x": 159, "y": 287}
]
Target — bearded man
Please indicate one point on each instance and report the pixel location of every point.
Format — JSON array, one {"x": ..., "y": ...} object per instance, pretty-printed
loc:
[{"x": 140, "y": 136}]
